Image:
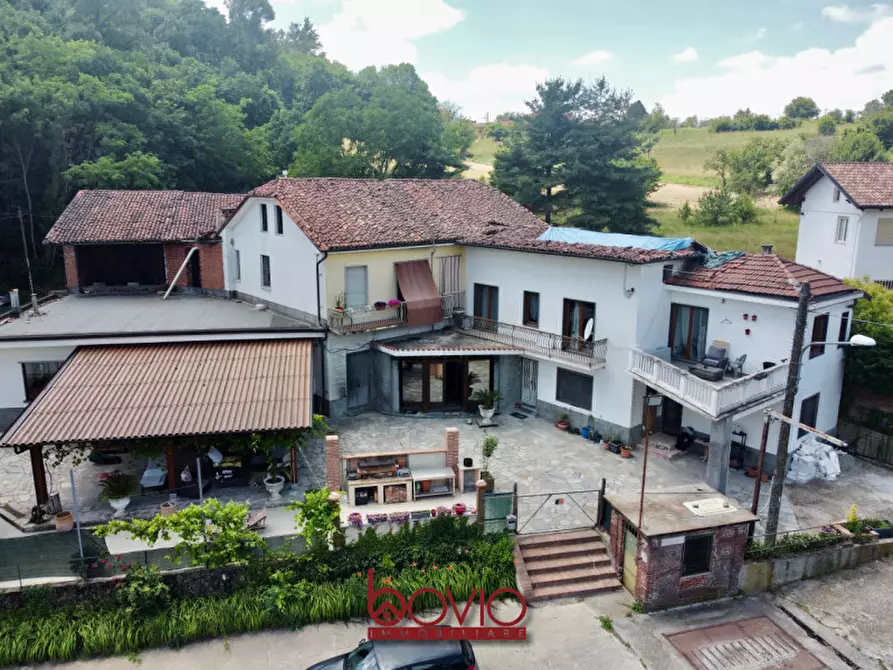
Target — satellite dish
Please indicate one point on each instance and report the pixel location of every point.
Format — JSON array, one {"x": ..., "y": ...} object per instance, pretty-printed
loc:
[{"x": 587, "y": 331}]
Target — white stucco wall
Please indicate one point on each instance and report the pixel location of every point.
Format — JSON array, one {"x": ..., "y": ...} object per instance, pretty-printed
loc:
[
  {"x": 293, "y": 259},
  {"x": 816, "y": 246},
  {"x": 556, "y": 278},
  {"x": 873, "y": 261},
  {"x": 12, "y": 384}
]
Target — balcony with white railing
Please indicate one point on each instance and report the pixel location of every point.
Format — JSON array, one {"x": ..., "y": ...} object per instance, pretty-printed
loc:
[
  {"x": 391, "y": 314},
  {"x": 541, "y": 344},
  {"x": 716, "y": 399}
]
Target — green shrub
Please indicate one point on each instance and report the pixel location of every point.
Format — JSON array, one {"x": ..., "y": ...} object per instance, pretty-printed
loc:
[
  {"x": 793, "y": 543},
  {"x": 143, "y": 591},
  {"x": 685, "y": 211}
]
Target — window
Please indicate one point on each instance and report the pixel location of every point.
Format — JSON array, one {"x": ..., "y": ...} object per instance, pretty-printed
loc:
[
  {"x": 278, "y": 220},
  {"x": 531, "y": 309},
  {"x": 238, "y": 264},
  {"x": 819, "y": 334},
  {"x": 266, "y": 279},
  {"x": 688, "y": 332},
  {"x": 836, "y": 194},
  {"x": 38, "y": 375},
  {"x": 573, "y": 388},
  {"x": 809, "y": 413},
  {"x": 356, "y": 286},
  {"x": 450, "y": 274},
  {"x": 843, "y": 223},
  {"x": 696, "y": 554},
  {"x": 577, "y": 317},
  {"x": 844, "y": 329},
  {"x": 263, "y": 219},
  {"x": 884, "y": 235},
  {"x": 486, "y": 302}
]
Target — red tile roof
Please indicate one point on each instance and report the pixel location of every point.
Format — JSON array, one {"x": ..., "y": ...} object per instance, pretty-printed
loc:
[
  {"x": 866, "y": 185},
  {"x": 762, "y": 274},
  {"x": 340, "y": 214},
  {"x": 140, "y": 216}
]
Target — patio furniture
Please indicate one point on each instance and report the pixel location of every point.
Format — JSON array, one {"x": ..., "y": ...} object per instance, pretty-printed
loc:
[
  {"x": 378, "y": 490},
  {"x": 257, "y": 520},
  {"x": 154, "y": 476},
  {"x": 713, "y": 366},
  {"x": 736, "y": 367},
  {"x": 379, "y": 466},
  {"x": 442, "y": 482}
]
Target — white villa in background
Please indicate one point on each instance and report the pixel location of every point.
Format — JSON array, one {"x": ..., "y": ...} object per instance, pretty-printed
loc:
[
  {"x": 846, "y": 220},
  {"x": 429, "y": 290}
]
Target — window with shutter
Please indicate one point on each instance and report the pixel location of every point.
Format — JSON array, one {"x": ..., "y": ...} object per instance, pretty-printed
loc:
[{"x": 884, "y": 235}]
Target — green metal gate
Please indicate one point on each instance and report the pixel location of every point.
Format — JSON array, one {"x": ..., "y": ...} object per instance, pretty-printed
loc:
[{"x": 497, "y": 506}]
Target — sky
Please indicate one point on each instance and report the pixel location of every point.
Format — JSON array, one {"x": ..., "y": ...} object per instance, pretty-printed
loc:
[{"x": 693, "y": 56}]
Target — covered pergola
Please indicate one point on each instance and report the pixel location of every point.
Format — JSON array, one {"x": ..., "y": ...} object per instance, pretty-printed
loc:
[{"x": 107, "y": 394}]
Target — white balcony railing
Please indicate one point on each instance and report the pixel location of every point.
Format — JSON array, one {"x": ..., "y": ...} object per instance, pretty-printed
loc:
[
  {"x": 717, "y": 399},
  {"x": 588, "y": 353}
]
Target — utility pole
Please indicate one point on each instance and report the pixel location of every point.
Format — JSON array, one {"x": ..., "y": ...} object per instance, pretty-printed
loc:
[
  {"x": 28, "y": 263},
  {"x": 784, "y": 431}
]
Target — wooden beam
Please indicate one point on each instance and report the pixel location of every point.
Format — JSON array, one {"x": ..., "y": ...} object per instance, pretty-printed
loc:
[
  {"x": 171, "y": 475},
  {"x": 38, "y": 470},
  {"x": 294, "y": 466}
]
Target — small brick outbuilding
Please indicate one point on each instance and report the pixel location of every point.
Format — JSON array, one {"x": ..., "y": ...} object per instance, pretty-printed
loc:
[{"x": 691, "y": 547}]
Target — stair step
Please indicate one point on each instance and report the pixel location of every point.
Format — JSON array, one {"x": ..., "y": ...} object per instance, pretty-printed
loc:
[
  {"x": 564, "y": 562},
  {"x": 573, "y": 576},
  {"x": 559, "y": 538},
  {"x": 556, "y": 550},
  {"x": 573, "y": 590}
]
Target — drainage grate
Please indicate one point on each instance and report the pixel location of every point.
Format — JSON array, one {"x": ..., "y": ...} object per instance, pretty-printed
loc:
[{"x": 763, "y": 651}]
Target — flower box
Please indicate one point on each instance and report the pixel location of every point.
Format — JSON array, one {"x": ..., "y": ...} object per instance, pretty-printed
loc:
[
  {"x": 444, "y": 511},
  {"x": 380, "y": 305},
  {"x": 393, "y": 302},
  {"x": 375, "y": 519},
  {"x": 398, "y": 517}
]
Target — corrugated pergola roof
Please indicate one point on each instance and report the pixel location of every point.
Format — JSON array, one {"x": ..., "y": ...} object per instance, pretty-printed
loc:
[{"x": 165, "y": 390}]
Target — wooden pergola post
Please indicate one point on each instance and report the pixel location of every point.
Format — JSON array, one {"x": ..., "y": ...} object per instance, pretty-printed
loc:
[
  {"x": 38, "y": 470},
  {"x": 171, "y": 475},
  {"x": 293, "y": 466}
]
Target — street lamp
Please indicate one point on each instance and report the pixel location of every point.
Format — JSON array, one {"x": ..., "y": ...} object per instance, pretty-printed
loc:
[{"x": 856, "y": 340}]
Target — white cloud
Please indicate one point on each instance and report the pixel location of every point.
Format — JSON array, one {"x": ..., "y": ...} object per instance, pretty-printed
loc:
[
  {"x": 494, "y": 88},
  {"x": 687, "y": 55},
  {"x": 845, "y": 78},
  {"x": 382, "y": 32},
  {"x": 761, "y": 33},
  {"x": 846, "y": 14},
  {"x": 593, "y": 58},
  {"x": 797, "y": 26}
]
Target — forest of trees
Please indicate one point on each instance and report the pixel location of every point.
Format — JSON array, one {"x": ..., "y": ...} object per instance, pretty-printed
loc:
[{"x": 169, "y": 94}]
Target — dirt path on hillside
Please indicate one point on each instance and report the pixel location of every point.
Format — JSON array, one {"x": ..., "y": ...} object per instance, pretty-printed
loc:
[
  {"x": 673, "y": 195},
  {"x": 477, "y": 170}
]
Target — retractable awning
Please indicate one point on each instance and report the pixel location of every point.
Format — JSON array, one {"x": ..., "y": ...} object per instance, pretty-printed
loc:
[
  {"x": 166, "y": 390},
  {"x": 423, "y": 302}
]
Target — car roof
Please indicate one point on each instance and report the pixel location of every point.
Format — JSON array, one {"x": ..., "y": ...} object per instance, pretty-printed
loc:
[{"x": 392, "y": 654}]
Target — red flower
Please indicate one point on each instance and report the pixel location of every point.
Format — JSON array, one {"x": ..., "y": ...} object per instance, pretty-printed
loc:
[
  {"x": 96, "y": 565},
  {"x": 118, "y": 557},
  {"x": 123, "y": 568}
]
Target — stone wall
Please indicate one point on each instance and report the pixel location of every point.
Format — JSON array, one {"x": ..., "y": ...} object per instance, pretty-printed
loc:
[
  {"x": 768, "y": 574},
  {"x": 210, "y": 265},
  {"x": 580, "y": 418}
]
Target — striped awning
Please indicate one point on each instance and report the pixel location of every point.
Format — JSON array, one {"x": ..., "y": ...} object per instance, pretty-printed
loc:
[{"x": 166, "y": 390}]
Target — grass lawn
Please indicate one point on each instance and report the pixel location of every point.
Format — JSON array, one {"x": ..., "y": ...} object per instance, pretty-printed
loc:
[
  {"x": 681, "y": 155},
  {"x": 776, "y": 226},
  {"x": 484, "y": 149}
]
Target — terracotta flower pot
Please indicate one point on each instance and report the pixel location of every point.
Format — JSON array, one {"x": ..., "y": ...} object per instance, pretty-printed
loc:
[
  {"x": 562, "y": 424},
  {"x": 64, "y": 522},
  {"x": 606, "y": 445},
  {"x": 168, "y": 508},
  {"x": 625, "y": 452}
]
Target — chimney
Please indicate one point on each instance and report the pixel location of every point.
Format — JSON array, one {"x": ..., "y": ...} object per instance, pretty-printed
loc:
[{"x": 767, "y": 249}]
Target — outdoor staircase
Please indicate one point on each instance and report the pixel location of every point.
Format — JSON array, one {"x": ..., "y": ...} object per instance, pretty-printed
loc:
[{"x": 564, "y": 565}]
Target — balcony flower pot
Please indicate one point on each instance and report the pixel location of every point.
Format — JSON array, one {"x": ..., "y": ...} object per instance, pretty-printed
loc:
[
  {"x": 393, "y": 302},
  {"x": 64, "y": 522},
  {"x": 626, "y": 452},
  {"x": 355, "y": 519},
  {"x": 459, "y": 509},
  {"x": 168, "y": 508},
  {"x": 274, "y": 485},
  {"x": 380, "y": 305}
]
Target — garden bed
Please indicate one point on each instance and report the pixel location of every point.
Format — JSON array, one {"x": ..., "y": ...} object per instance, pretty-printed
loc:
[{"x": 280, "y": 590}]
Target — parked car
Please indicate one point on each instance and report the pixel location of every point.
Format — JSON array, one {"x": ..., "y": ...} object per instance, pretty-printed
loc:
[{"x": 404, "y": 655}]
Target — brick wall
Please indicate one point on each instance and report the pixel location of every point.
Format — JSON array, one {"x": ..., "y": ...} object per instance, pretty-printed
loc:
[
  {"x": 210, "y": 263},
  {"x": 333, "y": 462},
  {"x": 659, "y": 580},
  {"x": 451, "y": 443},
  {"x": 71, "y": 267}
]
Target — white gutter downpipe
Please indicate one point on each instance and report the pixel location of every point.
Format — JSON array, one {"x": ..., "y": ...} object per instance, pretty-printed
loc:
[{"x": 179, "y": 272}]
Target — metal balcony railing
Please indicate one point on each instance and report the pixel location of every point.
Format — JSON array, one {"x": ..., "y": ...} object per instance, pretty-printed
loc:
[
  {"x": 370, "y": 317},
  {"x": 589, "y": 353}
]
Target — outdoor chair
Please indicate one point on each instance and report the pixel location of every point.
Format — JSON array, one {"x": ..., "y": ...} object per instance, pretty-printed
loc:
[
  {"x": 736, "y": 367},
  {"x": 154, "y": 475},
  {"x": 256, "y": 520},
  {"x": 713, "y": 366}
]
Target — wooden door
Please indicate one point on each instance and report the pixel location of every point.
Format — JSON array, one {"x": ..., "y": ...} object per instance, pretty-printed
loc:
[{"x": 529, "y": 373}]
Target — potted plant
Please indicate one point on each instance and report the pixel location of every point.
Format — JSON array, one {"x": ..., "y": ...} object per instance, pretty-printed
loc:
[
  {"x": 398, "y": 517},
  {"x": 433, "y": 512},
  {"x": 459, "y": 509},
  {"x": 117, "y": 489},
  {"x": 355, "y": 519},
  {"x": 380, "y": 305},
  {"x": 443, "y": 511},
  {"x": 393, "y": 302},
  {"x": 606, "y": 443},
  {"x": 616, "y": 443},
  {"x": 486, "y": 400},
  {"x": 375, "y": 519},
  {"x": 488, "y": 448},
  {"x": 564, "y": 422},
  {"x": 168, "y": 507},
  {"x": 275, "y": 480},
  {"x": 626, "y": 451},
  {"x": 339, "y": 302},
  {"x": 64, "y": 522}
]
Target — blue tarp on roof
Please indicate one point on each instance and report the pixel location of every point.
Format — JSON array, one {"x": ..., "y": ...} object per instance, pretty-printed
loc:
[{"x": 580, "y": 236}]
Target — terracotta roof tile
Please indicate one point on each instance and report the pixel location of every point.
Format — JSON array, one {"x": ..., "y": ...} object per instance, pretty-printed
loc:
[
  {"x": 761, "y": 274},
  {"x": 102, "y": 216},
  {"x": 866, "y": 185},
  {"x": 339, "y": 214}
]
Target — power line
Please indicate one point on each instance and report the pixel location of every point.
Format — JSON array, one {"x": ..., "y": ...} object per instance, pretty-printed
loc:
[{"x": 873, "y": 323}]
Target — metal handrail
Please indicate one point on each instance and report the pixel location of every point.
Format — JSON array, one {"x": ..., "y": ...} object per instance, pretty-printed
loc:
[
  {"x": 549, "y": 496},
  {"x": 550, "y": 345}
]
